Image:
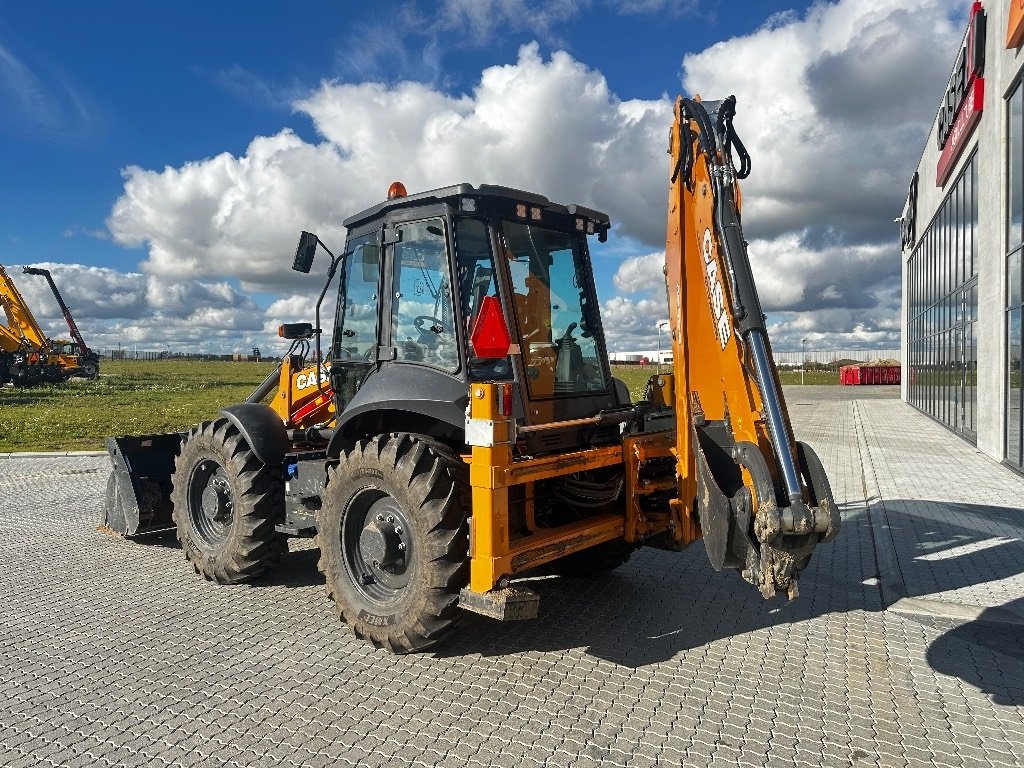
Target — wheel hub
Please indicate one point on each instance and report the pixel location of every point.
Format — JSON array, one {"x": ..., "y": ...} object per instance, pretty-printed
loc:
[
  {"x": 381, "y": 543},
  {"x": 216, "y": 501}
]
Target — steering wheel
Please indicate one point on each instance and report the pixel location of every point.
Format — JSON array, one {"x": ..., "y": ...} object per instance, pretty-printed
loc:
[{"x": 426, "y": 323}]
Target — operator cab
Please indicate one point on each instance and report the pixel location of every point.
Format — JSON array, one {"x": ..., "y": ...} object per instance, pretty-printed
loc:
[{"x": 462, "y": 284}]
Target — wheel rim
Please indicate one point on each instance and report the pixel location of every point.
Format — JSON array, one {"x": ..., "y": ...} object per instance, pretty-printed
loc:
[
  {"x": 376, "y": 540},
  {"x": 210, "y": 503}
]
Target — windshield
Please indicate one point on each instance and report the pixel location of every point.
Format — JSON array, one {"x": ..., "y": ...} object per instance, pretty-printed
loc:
[{"x": 553, "y": 311}]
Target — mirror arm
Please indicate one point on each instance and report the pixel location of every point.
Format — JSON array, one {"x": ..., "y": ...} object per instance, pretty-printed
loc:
[{"x": 335, "y": 261}]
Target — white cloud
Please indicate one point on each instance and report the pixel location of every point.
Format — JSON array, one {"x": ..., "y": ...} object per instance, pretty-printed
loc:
[
  {"x": 239, "y": 216},
  {"x": 112, "y": 308},
  {"x": 641, "y": 273},
  {"x": 834, "y": 109},
  {"x": 90, "y": 292},
  {"x": 630, "y": 324},
  {"x": 41, "y": 101}
]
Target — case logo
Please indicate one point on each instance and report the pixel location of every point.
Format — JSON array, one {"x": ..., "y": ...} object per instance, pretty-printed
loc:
[{"x": 716, "y": 294}]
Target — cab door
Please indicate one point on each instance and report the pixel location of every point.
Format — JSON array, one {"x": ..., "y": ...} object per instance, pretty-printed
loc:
[{"x": 355, "y": 349}]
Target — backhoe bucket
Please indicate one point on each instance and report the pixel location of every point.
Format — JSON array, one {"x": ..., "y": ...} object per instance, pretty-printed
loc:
[
  {"x": 139, "y": 488},
  {"x": 772, "y": 547}
]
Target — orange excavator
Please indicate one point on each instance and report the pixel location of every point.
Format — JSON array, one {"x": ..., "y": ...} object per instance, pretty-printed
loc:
[{"x": 469, "y": 431}]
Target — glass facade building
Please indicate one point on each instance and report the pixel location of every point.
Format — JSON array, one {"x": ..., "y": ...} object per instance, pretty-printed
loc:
[
  {"x": 1014, "y": 243},
  {"x": 962, "y": 344},
  {"x": 942, "y": 310}
]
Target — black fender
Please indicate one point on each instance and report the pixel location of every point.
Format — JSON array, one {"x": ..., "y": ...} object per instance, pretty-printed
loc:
[
  {"x": 262, "y": 429},
  {"x": 404, "y": 398}
]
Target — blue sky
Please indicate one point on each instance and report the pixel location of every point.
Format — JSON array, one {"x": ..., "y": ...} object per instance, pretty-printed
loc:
[{"x": 115, "y": 118}]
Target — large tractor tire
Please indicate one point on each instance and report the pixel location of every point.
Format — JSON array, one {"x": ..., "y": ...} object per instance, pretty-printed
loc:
[
  {"x": 90, "y": 369},
  {"x": 226, "y": 502},
  {"x": 394, "y": 543}
]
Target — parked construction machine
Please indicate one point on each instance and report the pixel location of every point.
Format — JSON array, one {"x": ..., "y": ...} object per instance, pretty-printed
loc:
[
  {"x": 468, "y": 430},
  {"x": 87, "y": 361},
  {"x": 27, "y": 356}
]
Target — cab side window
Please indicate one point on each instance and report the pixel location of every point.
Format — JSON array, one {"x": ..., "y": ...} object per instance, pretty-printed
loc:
[
  {"x": 356, "y": 336},
  {"x": 422, "y": 320},
  {"x": 477, "y": 280}
]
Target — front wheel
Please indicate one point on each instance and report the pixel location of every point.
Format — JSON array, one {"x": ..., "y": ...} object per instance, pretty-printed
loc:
[
  {"x": 226, "y": 502},
  {"x": 394, "y": 545}
]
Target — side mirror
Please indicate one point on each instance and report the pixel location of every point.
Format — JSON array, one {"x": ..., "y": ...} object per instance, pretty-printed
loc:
[
  {"x": 304, "y": 252},
  {"x": 371, "y": 263},
  {"x": 292, "y": 331}
]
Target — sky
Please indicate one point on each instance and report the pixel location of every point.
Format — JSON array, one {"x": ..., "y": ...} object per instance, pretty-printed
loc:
[{"x": 161, "y": 158}]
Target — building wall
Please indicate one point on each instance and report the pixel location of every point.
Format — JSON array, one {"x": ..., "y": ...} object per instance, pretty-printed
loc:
[{"x": 989, "y": 140}]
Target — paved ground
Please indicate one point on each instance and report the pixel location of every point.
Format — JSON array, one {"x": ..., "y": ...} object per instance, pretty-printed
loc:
[{"x": 903, "y": 648}]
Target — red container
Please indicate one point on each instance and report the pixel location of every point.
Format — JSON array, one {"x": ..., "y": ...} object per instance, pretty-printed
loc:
[{"x": 869, "y": 374}]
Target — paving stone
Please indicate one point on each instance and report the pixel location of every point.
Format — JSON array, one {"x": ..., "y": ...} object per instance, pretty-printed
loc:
[{"x": 114, "y": 651}]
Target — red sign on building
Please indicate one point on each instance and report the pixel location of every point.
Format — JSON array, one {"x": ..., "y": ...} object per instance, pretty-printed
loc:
[{"x": 964, "y": 98}]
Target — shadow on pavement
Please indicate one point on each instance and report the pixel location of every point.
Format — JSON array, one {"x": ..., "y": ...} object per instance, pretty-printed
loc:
[
  {"x": 944, "y": 545},
  {"x": 988, "y": 656},
  {"x": 655, "y": 607},
  {"x": 297, "y": 569},
  {"x": 661, "y": 604}
]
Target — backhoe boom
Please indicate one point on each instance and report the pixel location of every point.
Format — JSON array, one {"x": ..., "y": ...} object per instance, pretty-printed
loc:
[{"x": 762, "y": 500}]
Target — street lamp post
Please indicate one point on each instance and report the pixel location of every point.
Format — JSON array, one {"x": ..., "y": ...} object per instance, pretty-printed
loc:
[{"x": 803, "y": 359}]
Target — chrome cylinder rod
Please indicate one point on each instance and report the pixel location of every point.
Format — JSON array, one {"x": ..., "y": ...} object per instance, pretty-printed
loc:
[{"x": 773, "y": 412}]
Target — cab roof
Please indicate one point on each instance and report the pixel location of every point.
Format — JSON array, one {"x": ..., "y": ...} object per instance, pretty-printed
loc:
[{"x": 447, "y": 194}]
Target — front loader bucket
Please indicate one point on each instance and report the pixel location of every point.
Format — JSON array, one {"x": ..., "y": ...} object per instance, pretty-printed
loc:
[{"x": 139, "y": 489}]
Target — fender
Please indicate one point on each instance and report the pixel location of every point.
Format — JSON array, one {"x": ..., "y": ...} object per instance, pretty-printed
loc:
[{"x": 262, "y": 428}]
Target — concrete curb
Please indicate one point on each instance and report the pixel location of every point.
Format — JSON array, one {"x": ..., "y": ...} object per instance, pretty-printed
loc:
[
  {"x": 922, "y": 606},
  {"x": 49, "y": 454},
  {"x": 890, "y": 577}
]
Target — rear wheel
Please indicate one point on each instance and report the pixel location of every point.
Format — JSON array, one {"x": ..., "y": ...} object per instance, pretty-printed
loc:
[
  {"x": 394, "y": 545},
  {"x": 225, "y": 504}
]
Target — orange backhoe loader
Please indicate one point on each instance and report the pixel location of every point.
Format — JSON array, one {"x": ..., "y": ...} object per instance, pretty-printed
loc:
[{"x": 468, "y": 431}]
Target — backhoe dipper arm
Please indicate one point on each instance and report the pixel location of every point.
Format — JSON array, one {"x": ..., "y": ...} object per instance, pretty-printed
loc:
[
  {"x": 762, "y": 499},
  {"x": 72, "y": 325}
]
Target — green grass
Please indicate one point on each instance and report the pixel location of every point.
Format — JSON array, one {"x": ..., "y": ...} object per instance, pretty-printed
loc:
[
  {"x": 636, "y": 376},
  {"x": 140, "y": 397},
  {"x": 130, "y": 397}
]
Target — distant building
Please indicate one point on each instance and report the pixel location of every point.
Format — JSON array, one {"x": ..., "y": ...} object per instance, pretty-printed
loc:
[{"x": 642, "y": 357}]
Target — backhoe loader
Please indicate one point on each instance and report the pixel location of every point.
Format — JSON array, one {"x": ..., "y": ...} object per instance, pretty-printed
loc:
[{"x": 469, "y": 429}]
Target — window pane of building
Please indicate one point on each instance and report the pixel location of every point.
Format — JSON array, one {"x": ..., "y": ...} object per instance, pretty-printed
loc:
[
  {"x": 1013, "y": 412},
  {"x": 942, "y": 302},
  {"x": 1013, "y": 279},
  {"x": 1016, "y": 153},
  {"x": 974, "y": 216}
]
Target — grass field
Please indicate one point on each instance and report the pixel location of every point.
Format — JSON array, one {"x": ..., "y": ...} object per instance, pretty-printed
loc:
[
  {"x": 130, "y": 397},
  {"x": 139, "y": 397},
  {"x": 636, "y": 377}
]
